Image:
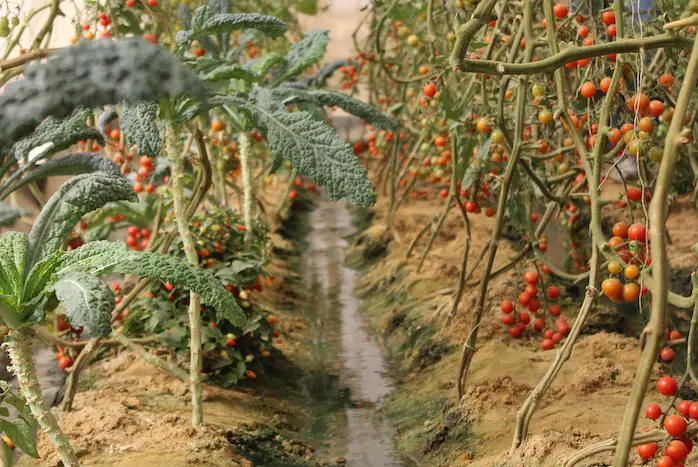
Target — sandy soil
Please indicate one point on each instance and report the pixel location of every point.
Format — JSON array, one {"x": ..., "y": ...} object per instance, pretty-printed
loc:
[{"x": 584, "y": 405}]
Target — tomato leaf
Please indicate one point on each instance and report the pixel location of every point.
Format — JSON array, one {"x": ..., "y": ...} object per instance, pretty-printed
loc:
[
  {"x": 87, "y": 301},
  {"x": 74, "y": 199},
  {"x": 139, "y": 123}
]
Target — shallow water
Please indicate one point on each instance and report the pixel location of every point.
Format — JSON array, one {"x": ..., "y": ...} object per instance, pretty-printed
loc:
[{"x": 347, "y": 421}]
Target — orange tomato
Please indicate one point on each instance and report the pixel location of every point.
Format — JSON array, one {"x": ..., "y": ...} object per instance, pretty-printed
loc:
[
  {"x": 631, "y": 292},
  {"x": 611, "y": 287},
  {"x": 620, "y": 229}
]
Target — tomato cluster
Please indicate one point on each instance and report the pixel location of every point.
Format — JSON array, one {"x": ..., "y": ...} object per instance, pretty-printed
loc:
[
  {"x": 529, "y": 302},
  {"x": 680, "y": 444},
  {"x": 632, "y": 246}
]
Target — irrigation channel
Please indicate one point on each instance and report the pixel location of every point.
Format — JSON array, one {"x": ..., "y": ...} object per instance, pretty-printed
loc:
[{"x": 349, "y": 377}]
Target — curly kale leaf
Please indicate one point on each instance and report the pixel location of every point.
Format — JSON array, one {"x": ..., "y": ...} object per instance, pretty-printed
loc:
[
  {"x": 174, "y": 270},
  {"x": 207, "y": 22},
  {"x": 311, "y": 145},
  {"x": 139, "y": 124},
  {"x": 307, "y": 52},
  {"x": 90, "y": 74},
  {"x": 70, "y": 164},
  {"x": 74, "y": 199},
  {"x": 87, "y": 301},
  {"x": 61, "y": 133}
]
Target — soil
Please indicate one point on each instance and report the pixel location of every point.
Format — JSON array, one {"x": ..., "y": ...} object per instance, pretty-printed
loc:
[{"x": 585, "y": 403}]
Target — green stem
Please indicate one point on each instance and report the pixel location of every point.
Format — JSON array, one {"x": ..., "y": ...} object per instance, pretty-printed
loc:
[
  {"x": 245, "y": 147},
  {"x": 18, "y": 345},
  {"x": 660, "y": 263},
  {"x": 194, "y": 300}
]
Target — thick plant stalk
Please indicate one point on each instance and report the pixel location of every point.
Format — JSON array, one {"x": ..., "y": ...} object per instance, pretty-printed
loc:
[
  {"x": 469, "y": 345},
  {"x": 194, "y": 299},
  {"x": 245, "y": 147},
  {"x": 660, "y": 263},
  {"x": 18, "y": 345}
]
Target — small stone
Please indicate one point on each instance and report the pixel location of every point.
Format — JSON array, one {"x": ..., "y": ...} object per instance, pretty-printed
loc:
[{"x": 131, "y": 403}]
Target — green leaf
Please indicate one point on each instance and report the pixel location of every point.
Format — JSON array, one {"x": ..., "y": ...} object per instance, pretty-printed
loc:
[
  {"x": 175, "y": 337},
  {"x": 328, "y": 70},
  {"x": 465, "y": 151},
  {"x": 262, "y": 65},
  {"x": 87, "y": 301},
  {"x": 227, "y": 72},
  {"x": 22, "y": 434},
  {"x": 72, "y": 164},
  {"x": 96, "y": 258},
  {"x": 448, "y": 105},
  {"x": 219, "y": 6},
  {"x": 74, "y": 199},
  {"x": 90, "y": 74},
  {"x": 206, "y": 23},
  {"x": 60, "y": 133},
  {"x": 307, "y": 52},
  {"x": 306, "y": 7},
  {"x": 483, "y": 152},
  {"x": 312, "y": 147},
  {"x": 40, "y": 276},
  {"x": 13, "y": 253},
  {"x": 170, "y": 269},
  {"x": 370, "y": 114},
  {"x": 9, "y": 214},
  {"x": 139, "y": 123}
]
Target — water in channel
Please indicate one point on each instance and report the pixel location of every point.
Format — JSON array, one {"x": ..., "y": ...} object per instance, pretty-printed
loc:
[{"x": 349, "y": 379}]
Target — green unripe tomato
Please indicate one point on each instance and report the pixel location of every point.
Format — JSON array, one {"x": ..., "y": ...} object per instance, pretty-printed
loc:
[
  {"x": 404, "y": 31},
  {"x": 4, "y": 26},
  {"x": 425, "y": 148},
  {"x": 434, "y": 160},
  {"x": 563, "y": 168},
  {"x": 497, "y": 137},
  {"x": 656, "y": 154},
  {"x": 413, "y": 41},
  {"x": 538, "y": 90},
  {"x": 439, "y": 172},
  {"x": 14, "y": 21},
  {"x": 458, "y": 4},
  {"x": 451, "y": 36}
]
